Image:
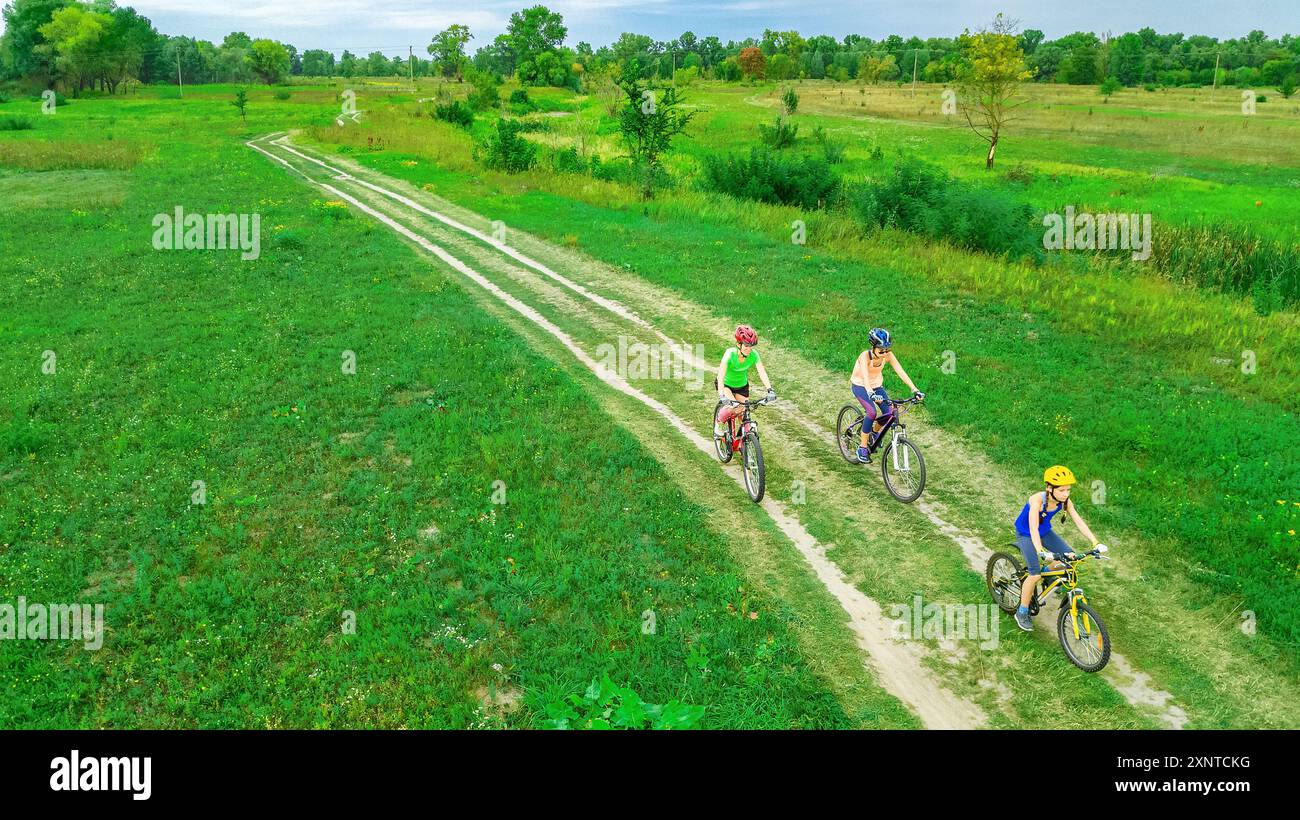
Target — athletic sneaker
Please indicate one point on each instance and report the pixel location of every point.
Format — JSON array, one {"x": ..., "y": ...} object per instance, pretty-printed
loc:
[
  {"x": 1023, "y": 620},
  {"x": 864, "y": 455}
]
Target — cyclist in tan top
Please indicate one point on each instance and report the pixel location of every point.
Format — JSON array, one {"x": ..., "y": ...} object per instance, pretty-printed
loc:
[{"x": 868, "y": 379}]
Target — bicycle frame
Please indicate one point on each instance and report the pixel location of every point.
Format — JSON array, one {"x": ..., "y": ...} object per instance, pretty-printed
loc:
[
  {"x": 893, "y": 423},
  {"x": 746, "y": 423},
  {"x": 1066, "y": 577}
]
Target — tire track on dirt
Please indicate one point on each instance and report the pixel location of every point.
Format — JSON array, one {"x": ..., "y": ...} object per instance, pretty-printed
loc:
[
  {"x": 897, "y": 665},
  {"x": 1136, "y": 687}
]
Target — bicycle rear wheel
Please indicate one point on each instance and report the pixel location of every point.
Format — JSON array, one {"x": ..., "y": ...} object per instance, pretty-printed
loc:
[
  {"x": 1090, "y": 650},
  {"x": 721, "y": 446},
  {"x": 846, "y": 431},
  {"x": 906, "y": 479},
  {"x": 751, "y": 455},
  {"x": 1002, "y": 576}
]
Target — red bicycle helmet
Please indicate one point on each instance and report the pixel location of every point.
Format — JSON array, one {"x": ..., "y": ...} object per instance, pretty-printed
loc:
[{"x": 746, "y": 335}]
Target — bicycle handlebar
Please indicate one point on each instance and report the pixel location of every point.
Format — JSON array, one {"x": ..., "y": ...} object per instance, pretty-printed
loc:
[{"x": 753, "y": 402}]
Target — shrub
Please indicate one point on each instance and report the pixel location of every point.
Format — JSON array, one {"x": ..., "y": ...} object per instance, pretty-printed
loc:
[
  {"x": 790, "y": 101},
  {"x": 281, "y": 94},
  {"x": 456, "y": 113},
  {"x": 922, "y": 199},
  {"x": 568, "y": 161},
  {"x": 504, "y": 150},
  {"x": 487, "y": 91},
  {"x": 780, "y": 135},
  {"x": 4, "y": 98},
  {"x": 766, "y": 176},
  {"x": 12, "y": 123},
  {"x": 1019, "y": 173},
  {"x": 521, "y": 103}
]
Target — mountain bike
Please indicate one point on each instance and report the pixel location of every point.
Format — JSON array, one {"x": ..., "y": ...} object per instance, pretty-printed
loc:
[
  {"x": 742, "y": 437},
  {"x": 901, "y": 464},
  {"x": 1080, "y": 629}
]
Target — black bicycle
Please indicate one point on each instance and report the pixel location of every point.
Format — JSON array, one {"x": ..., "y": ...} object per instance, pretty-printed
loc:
[
  {"x": 901, "y": 464},
  {"x": 741, "y": 436}
]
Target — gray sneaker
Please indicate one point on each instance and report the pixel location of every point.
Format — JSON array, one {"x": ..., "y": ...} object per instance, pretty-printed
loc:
[{"x": 1024, "y": 621}]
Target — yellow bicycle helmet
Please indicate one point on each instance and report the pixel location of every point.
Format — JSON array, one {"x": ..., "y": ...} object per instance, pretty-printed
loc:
[{"x": 1059, "y": 476}]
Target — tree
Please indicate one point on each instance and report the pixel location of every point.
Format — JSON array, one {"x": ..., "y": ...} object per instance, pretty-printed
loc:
[
  {"x": 752, "y": 63},
  {"x": 22, "y": 37},
  {"x": 348, "y": 64},
  {"x": 448, "y": 50},
  {"x": 241, "y": 102},
  {"x": 1108, "y": 87},
  {"x": 989, "y": 84},
  {"x": 535, "y": 31},
  {"x": 648, "y": 121},
  {"x": 74, "y": 39},
  {"x": 269, "y": 61},
  {"x": 1030, "y": 40},
  {"x": 317, "y": 62},
  {"x": 604, "y": 85},
  {"x": 873, "y": 69}
]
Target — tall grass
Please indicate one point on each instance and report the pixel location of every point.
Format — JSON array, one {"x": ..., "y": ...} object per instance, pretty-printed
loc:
[
  {"x": 1231, "y": 259},
  {"x": 40, "y": 155}
]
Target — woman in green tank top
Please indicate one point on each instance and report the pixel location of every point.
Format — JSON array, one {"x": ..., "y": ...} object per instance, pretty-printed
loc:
[{"x": 733, "y": 375}]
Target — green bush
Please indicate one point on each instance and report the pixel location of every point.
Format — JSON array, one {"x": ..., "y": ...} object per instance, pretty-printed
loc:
[
  {"x": 456, "y": 113},
  {"x": 13, "y": 123},
  {"x": 767, "y": 176},
  {"x": 521, "y": 103},
  {"x": 780, "y": 135},
  {"x": 922, "y": 199},
  {"x": 487, "y": 91},
  {"x": 568, "y": 161},
  {"x": 281, "y": 94},
  {"x": 504, "y": 150}
]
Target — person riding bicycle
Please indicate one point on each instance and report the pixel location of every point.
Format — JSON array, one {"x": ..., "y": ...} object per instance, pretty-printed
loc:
[
  {"x": 733, "y": 376},
  {"x": 867, "y": 382},
  {"x": 1041, "y": 508}
]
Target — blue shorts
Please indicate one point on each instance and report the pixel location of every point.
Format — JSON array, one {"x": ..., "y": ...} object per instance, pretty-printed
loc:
[
  {"x": 1052, "y": 542},
  {"x": 869, "y": 399}
]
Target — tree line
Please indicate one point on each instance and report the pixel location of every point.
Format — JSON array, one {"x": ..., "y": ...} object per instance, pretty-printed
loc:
[{"x": 98, "y": 45}]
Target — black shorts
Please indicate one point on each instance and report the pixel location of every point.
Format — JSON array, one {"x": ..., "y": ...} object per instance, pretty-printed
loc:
[{"x": 735, "y": 391}]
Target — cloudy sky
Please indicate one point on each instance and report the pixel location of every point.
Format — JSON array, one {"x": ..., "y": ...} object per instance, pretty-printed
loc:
[{"x": 366, "y": 25}]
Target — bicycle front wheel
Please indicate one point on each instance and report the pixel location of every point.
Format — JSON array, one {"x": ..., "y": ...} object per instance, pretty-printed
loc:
[
  {"x": 1083, "y": 637},
  {"x": 752, "y": 462},
  {"x": 847, "y": 427},
  {"x": 903, "y": 470}
]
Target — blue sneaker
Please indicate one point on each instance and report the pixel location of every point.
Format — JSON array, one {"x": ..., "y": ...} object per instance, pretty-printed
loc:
[
  {"x": 864, "y": 455},
  {"x": 1023, "y": 621}
]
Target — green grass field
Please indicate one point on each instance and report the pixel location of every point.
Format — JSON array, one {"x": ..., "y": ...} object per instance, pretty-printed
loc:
[{"x": 372, "y": 493}]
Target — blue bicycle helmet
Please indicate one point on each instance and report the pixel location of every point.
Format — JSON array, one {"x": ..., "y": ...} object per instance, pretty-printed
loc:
[{"x": 879, "y": 337}]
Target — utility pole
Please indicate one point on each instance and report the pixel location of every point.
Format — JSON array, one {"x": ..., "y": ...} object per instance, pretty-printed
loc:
[
  {"x": 179, "y": 81},
  {"x": 1215, "y": 85},
  {"x": 915, "y": 54},
  {"x": 410, "y": 64}
]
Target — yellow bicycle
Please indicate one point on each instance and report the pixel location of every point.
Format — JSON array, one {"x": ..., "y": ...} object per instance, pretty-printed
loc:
[{"x": 1080, "y": 629}]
